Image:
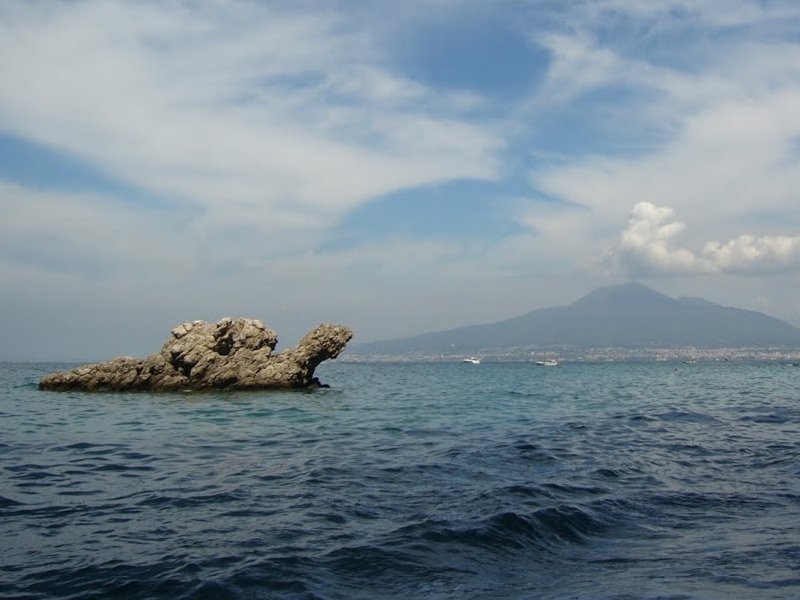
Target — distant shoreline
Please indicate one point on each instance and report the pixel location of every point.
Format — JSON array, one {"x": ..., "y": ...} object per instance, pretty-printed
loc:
[{"x": 590, "y": 355}]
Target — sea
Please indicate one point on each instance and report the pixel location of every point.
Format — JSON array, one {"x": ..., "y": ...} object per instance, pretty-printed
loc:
[{"x": 616, "y": 481}]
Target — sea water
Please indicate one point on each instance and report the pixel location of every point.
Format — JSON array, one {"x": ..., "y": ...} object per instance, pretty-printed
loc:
[{"x": 447, "y": 480}]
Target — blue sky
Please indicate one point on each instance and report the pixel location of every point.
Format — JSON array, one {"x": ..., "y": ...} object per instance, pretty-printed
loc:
[{"x": 398, "y": 169}]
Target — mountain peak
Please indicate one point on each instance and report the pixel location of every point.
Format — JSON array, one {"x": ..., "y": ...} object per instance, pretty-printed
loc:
[
  {"x": 624, "y": 294},
  {"x": 619, "y": 316}
]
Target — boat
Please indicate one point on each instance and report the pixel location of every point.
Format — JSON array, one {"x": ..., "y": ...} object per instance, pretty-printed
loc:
[
  {"x": 472, "y": 360},
  {"x": 547, "y": 362}
]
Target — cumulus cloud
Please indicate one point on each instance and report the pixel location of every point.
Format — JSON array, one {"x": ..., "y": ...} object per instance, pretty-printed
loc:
[
  {"x": 754, "y": 254},
  {"x": 646, "y": 243},
  {"x": 648, "y": 246}
]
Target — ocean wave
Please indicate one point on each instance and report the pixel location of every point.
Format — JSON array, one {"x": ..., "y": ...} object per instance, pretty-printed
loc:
[
  {"x": 443, "y": 491},
  {"x": 182, "y": 501},
  {"x": 509, "y": 530},
  {"x": 7, "y": 502}
]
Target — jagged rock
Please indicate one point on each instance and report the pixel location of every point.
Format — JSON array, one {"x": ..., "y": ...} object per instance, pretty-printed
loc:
[{"x": 231, "y": 354}]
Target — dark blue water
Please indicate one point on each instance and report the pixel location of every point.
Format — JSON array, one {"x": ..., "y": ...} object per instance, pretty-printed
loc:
[{"x": 410, "y": 481}]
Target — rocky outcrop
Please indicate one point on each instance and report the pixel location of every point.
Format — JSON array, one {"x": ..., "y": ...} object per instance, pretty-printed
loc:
[{"x": 231, "y": 354}]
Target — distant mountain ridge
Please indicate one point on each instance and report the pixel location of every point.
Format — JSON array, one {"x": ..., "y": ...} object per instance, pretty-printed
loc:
[{"x": 625, "y": 316}]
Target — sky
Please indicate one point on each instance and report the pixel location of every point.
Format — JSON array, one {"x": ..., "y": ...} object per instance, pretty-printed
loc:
[{"x": 398, "y": 167}]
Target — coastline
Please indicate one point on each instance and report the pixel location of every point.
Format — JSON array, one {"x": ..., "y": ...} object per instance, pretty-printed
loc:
[{"x": 771, "y": 354}]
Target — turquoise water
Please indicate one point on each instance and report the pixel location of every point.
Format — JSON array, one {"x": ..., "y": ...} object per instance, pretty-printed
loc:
[{"x": 442, "y": 480}]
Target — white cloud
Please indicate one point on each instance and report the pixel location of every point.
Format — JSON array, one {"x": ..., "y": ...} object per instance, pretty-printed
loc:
[
  {"x": 728, "y": 158},
  {"x": 646, "y": 243},
  {"x": 648, "y": 247},
  {"x": 235, "y": 107},
  {"x": 88, "y": 235},
  {"x": 752, "y": 254},
  {"x": 578, "y": 65},
  {"x": 255, "y": 129}
]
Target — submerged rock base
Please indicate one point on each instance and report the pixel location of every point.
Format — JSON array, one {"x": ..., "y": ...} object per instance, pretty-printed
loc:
[{"x": 231, "y": 354}]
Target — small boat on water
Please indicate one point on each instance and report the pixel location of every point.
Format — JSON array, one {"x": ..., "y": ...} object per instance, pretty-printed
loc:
[
  {"x": 547, "y": 362},
  {"x": 472, "y": 360}
]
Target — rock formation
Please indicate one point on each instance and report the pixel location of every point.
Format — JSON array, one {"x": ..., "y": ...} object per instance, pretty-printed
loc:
[{"x": 231, "y": 354}]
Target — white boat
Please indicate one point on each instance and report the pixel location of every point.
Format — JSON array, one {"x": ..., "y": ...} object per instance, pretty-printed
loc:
[
  {"x": 472, "y": 360},
  {"x": 547, "y": 362}
]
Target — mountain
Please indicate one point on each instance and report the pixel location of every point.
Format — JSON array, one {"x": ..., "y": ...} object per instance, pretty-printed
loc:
[{"x": 623, "y": 316}]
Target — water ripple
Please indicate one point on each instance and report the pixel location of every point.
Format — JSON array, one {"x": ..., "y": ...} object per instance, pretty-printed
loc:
[{"x": 591, "y": 481}]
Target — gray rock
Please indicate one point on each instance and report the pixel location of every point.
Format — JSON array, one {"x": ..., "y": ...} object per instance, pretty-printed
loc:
[{"x": 230, "y": 354}]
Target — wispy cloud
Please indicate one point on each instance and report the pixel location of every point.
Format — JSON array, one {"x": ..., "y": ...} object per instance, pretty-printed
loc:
[
  {"x": 241, "y": 108},
  {"x": 726, "y": 156},
  {"x": 90, "y": 236},
  {"x": 715, "y": 13}
]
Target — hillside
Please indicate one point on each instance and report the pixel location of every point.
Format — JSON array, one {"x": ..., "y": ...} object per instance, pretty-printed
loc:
[{"x": 624, "y": 316}]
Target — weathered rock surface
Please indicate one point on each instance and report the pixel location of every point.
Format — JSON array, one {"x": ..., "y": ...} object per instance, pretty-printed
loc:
[{"x": 231, "y": 354}]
